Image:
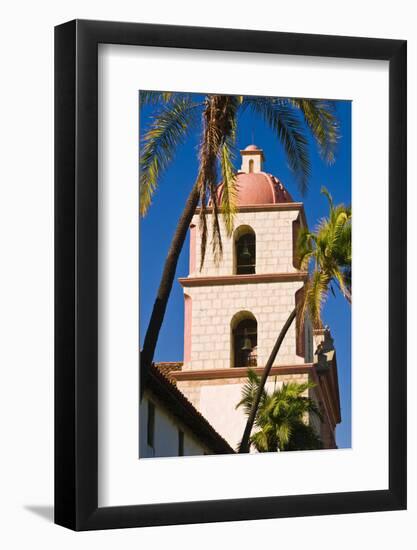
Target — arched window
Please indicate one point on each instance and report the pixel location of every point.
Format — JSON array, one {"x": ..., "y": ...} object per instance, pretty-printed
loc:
[
  {"x": 245, "y": 251},
  {"x": 244, "y": 340},
  {"x": 251, "y": 166}
]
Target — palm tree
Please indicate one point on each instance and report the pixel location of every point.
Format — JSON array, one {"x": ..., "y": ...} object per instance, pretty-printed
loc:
[
  {"x": 279, "y": 420},
  {"x": 177, "y": 115},
  {"x": 327, "y": 252}
]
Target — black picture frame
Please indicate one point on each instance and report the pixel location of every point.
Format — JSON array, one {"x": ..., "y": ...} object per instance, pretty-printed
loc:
[{"x": 76, "y": 272}]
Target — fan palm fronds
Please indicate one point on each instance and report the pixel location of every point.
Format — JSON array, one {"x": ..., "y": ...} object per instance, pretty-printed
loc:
[
  {"x": 320, "y": 117},
  {"x": 249, "y": 391},
  {"x": 328, "y": 252},
  {"x": 279, "y": 422},
  {"x": 148, "y": 97},
  {"x": 304, "y": 438},
  {"x": 283, "y": 119},
  {"x": 168, "y": 129}
]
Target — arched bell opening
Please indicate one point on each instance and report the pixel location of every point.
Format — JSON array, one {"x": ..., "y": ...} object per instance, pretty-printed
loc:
[
  {"x": 244, "y": 250},
  {"x": 244, "y": 335}
]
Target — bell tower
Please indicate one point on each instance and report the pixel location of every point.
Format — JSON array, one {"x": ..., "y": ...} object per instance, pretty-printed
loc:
[{"x": 235, "y": 310}]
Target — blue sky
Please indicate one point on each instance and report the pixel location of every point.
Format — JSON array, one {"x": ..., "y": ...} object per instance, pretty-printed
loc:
[{"x": 157, "y": 228}]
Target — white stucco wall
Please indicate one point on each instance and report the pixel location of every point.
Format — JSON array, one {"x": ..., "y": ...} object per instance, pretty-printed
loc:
[
  {"x": 217, "y": 400},
  {"x": 165, "y": 433}
]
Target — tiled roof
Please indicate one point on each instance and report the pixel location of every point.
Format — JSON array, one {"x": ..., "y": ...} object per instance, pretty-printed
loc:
[
  {"x": 169, "y": 366},
  {"x": 178, "y": 404}
]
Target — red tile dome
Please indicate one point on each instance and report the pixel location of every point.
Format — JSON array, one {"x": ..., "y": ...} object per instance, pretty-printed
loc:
[{"x": 258, "y": 188}]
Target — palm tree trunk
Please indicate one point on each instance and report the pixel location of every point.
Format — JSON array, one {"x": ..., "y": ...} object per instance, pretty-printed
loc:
[
  {"x": 348, "y": 295},
  {"x": 244, "y": 445},
  {"x": 167, "y": 279}
]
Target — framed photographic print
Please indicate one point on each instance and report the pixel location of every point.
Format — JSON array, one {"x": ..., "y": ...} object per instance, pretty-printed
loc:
[{"x": 217, "y": 358}]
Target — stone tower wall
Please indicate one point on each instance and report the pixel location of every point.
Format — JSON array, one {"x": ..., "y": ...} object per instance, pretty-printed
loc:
[{"x": 274, "y": 243}]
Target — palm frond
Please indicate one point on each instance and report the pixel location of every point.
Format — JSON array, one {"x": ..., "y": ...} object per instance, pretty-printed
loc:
[
  {"x": 312, "y": 408},
  {"x": 305, "y": 246},
  {"x": 149, "y": 97},
  {"x": 219, "y": 129},
  {"x": 216, "y": 241},
  {"x": 167, "y": 130},
  {"x": 330, "y": 247},
  {"x": 203, "y": 233},
  {"x": 207, "y": 175},
  {"x": 283, "y": 433},
  {"x": 324, "y": 191},
  {"x": 229, "y": 190},
  {"x": 341, "y": 226},
  {"x": 304, "y": 438},
  {"x": 320, "y": 117},
  {"x": 315, "y": 295},
  {"x": 249, "y": 391},
  {"x": 343, "y": 284},
  {"x": 261, "y": 440},
  {"x": 288, "y": 127},
  {"x": 279, "y": 412}
]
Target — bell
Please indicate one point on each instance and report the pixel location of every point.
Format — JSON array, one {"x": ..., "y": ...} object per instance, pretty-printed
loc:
[
  {"x": 245, "y": 254},
  {"x": 247, "y": 345}
]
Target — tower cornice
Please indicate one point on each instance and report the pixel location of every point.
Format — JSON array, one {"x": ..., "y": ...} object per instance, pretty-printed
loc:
[
  {"x": 281, "y": 206},
  {"x": 238, "y": 372},
  {"x": 243, "y": 279}
]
